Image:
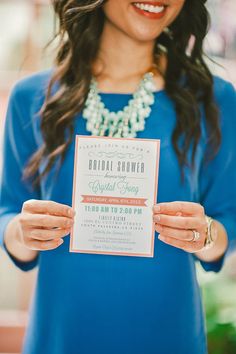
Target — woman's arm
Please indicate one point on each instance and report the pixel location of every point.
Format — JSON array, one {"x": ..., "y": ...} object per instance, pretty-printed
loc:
[
  {"x": 25, "y": 222},
  {"x": 177, "y": 222}
]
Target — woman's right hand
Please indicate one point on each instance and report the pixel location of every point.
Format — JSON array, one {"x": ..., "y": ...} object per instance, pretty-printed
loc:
[{"x": 43, "y": 224}]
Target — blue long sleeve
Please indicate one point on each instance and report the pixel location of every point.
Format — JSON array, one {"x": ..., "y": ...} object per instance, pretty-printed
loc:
[
  {"x": 218, "y": 177},
  {"x": 18, "y": 145}
]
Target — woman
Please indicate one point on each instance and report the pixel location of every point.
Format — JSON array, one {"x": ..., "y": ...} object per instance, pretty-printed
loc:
[{"x": 109, "y": 304}]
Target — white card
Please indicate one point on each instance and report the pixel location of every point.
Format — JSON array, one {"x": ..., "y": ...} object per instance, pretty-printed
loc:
[{"x": 114, "y": 190}]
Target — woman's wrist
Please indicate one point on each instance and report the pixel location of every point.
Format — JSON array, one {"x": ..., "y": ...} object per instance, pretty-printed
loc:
[
  {"x": 218, "y": 246},
  {"x": 14, "y": 244}
]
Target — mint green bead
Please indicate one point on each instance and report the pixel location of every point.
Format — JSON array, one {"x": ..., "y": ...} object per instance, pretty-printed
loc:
[{"x": 126, "y": 122}]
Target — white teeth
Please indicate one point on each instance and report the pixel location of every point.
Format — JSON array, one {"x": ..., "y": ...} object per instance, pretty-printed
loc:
[{"x": 149, "y": 8}]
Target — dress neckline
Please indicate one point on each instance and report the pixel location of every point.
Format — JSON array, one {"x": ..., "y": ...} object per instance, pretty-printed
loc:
[{"x": 127, "y": 94}]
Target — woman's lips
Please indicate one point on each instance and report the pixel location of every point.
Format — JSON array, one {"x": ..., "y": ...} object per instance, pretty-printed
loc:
[{"x": 150, "y": 9}]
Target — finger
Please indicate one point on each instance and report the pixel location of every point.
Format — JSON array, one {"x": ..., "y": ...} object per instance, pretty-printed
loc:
[
  {"x": 172, "y": 208},
  {"x": 47, "y": 234},
  {"x": 46, "y": 221},
  {"x": 179, "y": 234},
  {"x": 180, "y": 222},
  {"x": 191, "y": 247},
  {"x": 47, "y": 207},
  {"x": 44, "y": 246}
]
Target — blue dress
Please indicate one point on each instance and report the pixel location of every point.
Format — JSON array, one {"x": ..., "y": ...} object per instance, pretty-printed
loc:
[{"x": 99, "y": 304}]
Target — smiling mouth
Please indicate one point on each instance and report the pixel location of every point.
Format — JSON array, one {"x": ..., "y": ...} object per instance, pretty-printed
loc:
[{"x": 150, "y": 7}]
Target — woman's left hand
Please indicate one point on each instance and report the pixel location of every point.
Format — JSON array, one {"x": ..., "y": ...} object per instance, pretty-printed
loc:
[{"x": 181, "y": 224}]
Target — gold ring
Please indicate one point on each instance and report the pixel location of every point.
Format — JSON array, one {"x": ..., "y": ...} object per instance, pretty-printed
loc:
[{"x": 196, "y": 236}]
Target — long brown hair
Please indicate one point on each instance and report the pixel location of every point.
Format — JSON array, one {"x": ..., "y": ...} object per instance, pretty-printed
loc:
[{"x": 188, "y": 81}]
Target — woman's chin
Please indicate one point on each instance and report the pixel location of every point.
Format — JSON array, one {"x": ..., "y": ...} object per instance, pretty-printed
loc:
[{"x": 144, "y": 35}]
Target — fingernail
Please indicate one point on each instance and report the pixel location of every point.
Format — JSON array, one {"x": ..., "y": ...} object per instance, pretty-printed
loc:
[
  {"x": 60, "y": 242},
  {"x": 46, "y": 245},
  {"x": 70, "y": 223},
  {"x": 157, "y": 208},
  {"x": 159, "y": 227},
  {"x": 156, "y": 218},
  {"x": 161, "y": 238},
  {"x": 71, "y": 212}
]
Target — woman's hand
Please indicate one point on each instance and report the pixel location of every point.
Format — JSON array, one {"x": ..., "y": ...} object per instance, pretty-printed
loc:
[
  {"x": 178, "y": 222},
  {"x": 43, "y": 224}
]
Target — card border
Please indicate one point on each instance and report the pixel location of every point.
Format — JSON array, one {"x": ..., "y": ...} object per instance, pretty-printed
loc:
[{"x": 147, "y": 255}]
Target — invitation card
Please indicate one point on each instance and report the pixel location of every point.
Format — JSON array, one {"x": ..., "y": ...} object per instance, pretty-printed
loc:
[{"x": 114, "y": 190}]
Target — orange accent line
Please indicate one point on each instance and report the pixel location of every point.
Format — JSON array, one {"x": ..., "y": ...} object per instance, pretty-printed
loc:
[{"x": 97, "y": 199}]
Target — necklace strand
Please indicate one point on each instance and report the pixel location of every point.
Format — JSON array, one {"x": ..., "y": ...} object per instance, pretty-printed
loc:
[{"x": 124, "y": 123}]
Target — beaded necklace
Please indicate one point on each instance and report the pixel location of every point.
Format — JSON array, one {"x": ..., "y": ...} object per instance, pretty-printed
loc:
[{"x": 125, "y": 123}]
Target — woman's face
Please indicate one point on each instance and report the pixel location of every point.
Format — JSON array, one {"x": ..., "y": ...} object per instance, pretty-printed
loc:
[{"x": 142, "y": 20}]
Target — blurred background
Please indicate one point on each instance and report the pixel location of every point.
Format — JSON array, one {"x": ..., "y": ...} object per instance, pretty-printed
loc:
[{"x": 26, "y": 26}]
